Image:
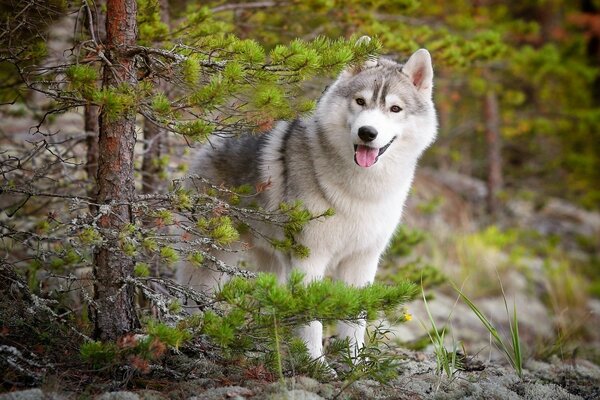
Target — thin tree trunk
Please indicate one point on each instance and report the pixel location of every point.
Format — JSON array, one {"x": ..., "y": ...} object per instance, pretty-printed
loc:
[
  {"x": 92, "y": 129},
  {"x": 593, "y": 44},
  {"x": 91, "y": 113},
  {"x": 114, "y": 313},
  {"x": 494, "y": 147},
  {"x": 154, "y": 134}
]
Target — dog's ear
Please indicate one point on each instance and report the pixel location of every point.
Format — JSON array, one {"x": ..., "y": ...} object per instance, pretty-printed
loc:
[{"x": 420, "y": 71}]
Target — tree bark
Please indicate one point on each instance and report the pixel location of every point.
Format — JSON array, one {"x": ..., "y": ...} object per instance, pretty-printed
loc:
[
  {"x": 114, "y": 313},
  {"x": 494, "y": 148}
]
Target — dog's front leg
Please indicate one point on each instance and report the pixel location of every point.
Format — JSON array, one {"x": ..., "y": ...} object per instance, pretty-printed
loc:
[
  {"x": 356, "y": 270},
  {"x": 312, "y": 334}
]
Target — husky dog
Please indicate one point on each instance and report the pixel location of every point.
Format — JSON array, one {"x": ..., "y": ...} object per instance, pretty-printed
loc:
[{"x": 356, "y": 154}]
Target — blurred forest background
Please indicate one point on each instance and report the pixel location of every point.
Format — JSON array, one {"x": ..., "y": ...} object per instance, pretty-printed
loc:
[{"x": 509, "y": 192}]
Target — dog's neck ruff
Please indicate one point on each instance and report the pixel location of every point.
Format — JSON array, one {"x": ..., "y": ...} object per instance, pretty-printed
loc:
[{"x": 365, "y": 156}]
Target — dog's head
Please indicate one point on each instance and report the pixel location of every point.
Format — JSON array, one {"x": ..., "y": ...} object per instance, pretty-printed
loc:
[{"x": 381, "y": 110}]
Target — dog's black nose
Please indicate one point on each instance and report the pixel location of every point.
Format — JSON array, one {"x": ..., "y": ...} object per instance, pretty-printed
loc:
[{"x": 367, "y": 133}]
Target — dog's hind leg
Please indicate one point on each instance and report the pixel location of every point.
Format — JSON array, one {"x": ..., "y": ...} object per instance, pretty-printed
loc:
[{"x": 356, "y": 270}]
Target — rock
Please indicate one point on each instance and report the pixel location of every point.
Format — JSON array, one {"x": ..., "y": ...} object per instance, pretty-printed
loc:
[
  {"x": 570, "y": 222},
  {"x": 304, "y": 382},
  {"x": 123, "y": 395},
  {"x": 31, "y": 394},
  {"x": 296, "y": 394},
  {"x": 563, "y": 210},
  {"x": 151, "y": 395},
  {"x": 472, "y": 189},
  {"x": 577, "y": 377},
  {"x": 534, "y": 391},
  {"x": 227, "y": 392},
  {"x": 521, "y": 210}
]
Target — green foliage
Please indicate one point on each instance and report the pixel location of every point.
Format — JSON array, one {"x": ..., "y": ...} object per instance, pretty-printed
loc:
[
  {"x": 90, "y": 236},
  {"x": 98, "y": 354},
  {"x": 253, "y": 303},
  {"x": 141, "y": 270},
  {"x": 171, "y": 336},
  {"x": 403, "y": 241},
  {"x": 196, "y": 258},
  {"x": 197, "y": 130},
  {"x": 182, "y": 199},
  {"x": 161, "y": 104},
  {"x": 169, "y": 255},
  {"x": 297, "y": 217},
  {"x": 135, "y": 351},
  {"x": 115, "y": 102},
  {"x": 220, "y": 229},
  {"x": 190, "y": 69},
  {"x": 372, "y": 361},
  {"x": 223, "y": 231},
  {"x": 83, "y": 79},
  {"x": 260, "y": 314},
  {"x": 271, "y": 99},
  {"x": 417, "y": 272},
  {"x": 165, "y": 216},
  {"x": 151, "y": 28},
  {"x": 248, "y": 52}
]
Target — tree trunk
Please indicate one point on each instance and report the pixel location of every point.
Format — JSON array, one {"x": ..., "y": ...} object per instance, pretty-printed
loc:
[
  {"x": 91, "y": 113},
  {"x": 114, "y": 313},
  {"x": 494, "y": 147},
  {"x": 92, "y": 129},
  {"x": 154, "y": 134},
  {"x": 593, "y": 44}
]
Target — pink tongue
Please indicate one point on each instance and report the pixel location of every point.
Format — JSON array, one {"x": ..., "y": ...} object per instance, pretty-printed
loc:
[{"x": 366, "y": 156}]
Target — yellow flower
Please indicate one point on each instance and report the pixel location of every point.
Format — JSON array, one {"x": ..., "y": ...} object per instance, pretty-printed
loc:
[{"x": 407, "y": 317}]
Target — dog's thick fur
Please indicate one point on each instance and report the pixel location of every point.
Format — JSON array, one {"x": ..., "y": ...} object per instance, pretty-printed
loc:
[{"x": 326, "y": 161}]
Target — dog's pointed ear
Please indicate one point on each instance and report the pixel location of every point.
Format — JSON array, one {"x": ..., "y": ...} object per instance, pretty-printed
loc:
[{"x": 420, "y": 71}]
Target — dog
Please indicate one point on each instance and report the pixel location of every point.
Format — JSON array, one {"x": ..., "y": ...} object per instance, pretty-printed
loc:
[{"x": 356, "y": 154}]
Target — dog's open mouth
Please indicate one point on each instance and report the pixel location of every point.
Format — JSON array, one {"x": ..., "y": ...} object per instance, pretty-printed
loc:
[{"x": 366, "y": 156}]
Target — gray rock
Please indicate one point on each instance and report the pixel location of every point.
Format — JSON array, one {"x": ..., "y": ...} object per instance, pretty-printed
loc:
[
  {"x": 123, "y": 395},
  {"x": 470, "y": 188},
  {"x": 305, "y": 383},
  {"x": 296, "y": 394},
  {"x": 31, "y": 394},
  {"x": 550, "y": 391},
  {"x": 227, "y": 392},
  {"x": 151, "y": 395}
]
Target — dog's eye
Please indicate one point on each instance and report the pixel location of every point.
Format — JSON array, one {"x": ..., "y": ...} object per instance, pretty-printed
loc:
[
  {"x": 395, "y": 109},
  {"x": 360, "y": 101}
]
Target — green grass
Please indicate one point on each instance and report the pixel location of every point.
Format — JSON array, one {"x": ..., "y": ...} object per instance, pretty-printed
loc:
[
  {"x": 511, "y": 352},
  {"x": 446, "y": 361}
]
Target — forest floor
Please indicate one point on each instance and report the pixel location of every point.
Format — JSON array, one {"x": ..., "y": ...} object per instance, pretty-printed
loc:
[{"x": 193, "y": 376}]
